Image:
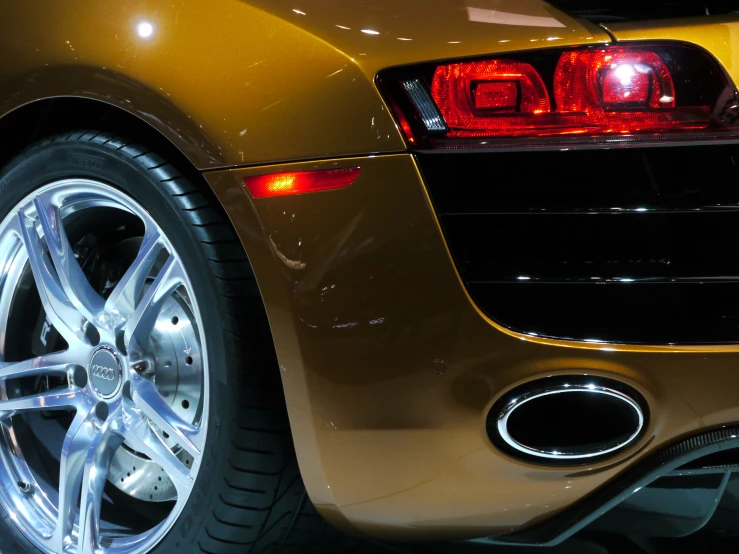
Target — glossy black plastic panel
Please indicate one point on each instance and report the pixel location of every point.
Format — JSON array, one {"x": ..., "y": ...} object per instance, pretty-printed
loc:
[
  {"x": 623, "y": 245},
  {"x": 644, "y": 473},
  {"x": 672, "y": 506},
  {"x": 601, "y": 247},
  {"x": 617, "y": 312}
]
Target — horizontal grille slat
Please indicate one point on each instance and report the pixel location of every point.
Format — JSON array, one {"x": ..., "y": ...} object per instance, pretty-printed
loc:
[
  {"x": 595, "y": 247},
  {"x": 620, "y": 312},
  {"x": 664, "y": 178}
]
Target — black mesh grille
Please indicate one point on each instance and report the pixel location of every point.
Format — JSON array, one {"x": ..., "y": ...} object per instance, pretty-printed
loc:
[{"x": 625, "y": 245}]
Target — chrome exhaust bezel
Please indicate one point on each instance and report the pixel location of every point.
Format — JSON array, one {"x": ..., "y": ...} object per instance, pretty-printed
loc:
[{"x": 503, "y": 409}]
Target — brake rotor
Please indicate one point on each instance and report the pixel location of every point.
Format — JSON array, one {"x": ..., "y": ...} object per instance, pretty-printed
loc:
[{"x": 176, "y": 369}]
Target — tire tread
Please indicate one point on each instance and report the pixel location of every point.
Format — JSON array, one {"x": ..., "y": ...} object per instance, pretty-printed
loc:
[{"x": 261, "y": 490}]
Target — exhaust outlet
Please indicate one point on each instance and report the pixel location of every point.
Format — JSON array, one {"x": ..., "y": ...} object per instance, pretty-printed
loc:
[{"x": 567, "y": 420}]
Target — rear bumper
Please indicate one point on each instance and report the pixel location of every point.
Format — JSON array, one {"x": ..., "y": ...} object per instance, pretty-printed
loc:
[{"x": 389, "y": 367}]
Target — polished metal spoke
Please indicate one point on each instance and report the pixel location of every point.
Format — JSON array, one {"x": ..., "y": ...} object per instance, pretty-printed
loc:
[
  {"x": 121, "y": 303},
  {"x": 142, "y": 321},
  {"x": 81, "y": 437},
  {"x": 48, "y": 364},
  {"x": 150, "y": 402},
  {"x": 109, "y": 402},
  {"x": 101, "y": 452},
  {"x": 73, "y": 281},
  {"x": 65, "y": 317},
  {"x": 141, "y": 437},
  {"x": 56, "y": 399}
]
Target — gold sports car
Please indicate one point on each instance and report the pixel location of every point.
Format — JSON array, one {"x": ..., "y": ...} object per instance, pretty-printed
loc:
[{"x": 420, "y": 269}]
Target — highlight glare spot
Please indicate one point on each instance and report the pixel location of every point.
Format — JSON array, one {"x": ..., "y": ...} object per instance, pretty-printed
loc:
[
  {"x": 282, "y": 184},
  {"x": 145, "y": 29}
]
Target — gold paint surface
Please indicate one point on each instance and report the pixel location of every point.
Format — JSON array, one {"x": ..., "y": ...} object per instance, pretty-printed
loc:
[
  {"x": 244, "y": 83},
  {"x": 423, "y": 30},
  {"x": 227, "y": 83},
  {"x": 362, "y": 297}
]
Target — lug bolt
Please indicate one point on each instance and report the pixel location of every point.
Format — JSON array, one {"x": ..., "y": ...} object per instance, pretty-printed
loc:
[
  {"x": 79, "y": 377},
  {"x": 92, "y": 334},
  {"x": 102, "y": 411}
]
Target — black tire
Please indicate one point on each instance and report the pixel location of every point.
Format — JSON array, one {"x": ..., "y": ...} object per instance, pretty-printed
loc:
[{"x": 249, "y": 497}]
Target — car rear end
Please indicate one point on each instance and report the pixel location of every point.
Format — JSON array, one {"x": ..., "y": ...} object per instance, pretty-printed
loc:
[{"x": 527, "y": 320}]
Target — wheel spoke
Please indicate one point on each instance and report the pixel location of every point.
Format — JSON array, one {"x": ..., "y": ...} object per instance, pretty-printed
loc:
[
  {"x": 150, "y": 402},
  {"x": 141, "y": 437},
  {"x": 81, "y": 436},
  {"x": 76, "y": 286},
  {"x": 141, "y": 323},
  {"x": 101, "y": 452},
  {"x": 121, "y": 303},
  {"x": 48, "y": 364},
  {"x": 56, "y": 399},
  {"x": 60, "y": 311}
]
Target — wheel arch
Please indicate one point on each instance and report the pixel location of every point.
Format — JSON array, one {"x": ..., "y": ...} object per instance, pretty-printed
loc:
[
  {"x": 29, "y": 122},
  {"x": 35, "y": 120}
]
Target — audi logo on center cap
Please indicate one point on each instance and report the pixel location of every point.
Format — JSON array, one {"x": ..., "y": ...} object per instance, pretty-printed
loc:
[{"x": 105, "y": 372}]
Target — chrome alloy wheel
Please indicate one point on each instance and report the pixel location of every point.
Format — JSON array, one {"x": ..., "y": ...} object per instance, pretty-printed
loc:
[{"x": 121, "y": 409}]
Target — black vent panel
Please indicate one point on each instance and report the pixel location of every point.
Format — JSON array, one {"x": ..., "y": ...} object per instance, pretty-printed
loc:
[{"x": 624, "y": 245}]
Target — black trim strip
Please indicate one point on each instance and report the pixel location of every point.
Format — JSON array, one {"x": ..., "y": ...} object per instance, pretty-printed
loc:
[
  {"x": 733, "y": 208},
  {"x": 571, "y": 520},
  {"x": 600, "y": 280}
]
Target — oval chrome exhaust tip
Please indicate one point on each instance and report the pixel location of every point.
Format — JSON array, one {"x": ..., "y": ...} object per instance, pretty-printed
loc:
[{"x": 567, "y": 420}]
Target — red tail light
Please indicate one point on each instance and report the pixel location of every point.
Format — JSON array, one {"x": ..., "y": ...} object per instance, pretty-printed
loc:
[
  {"x": 612, "y": 78},
  {"x": 621, "y": 90},
  {"x": 283, "y": 184},
  {"x": 481, "y": 95},
  {"x": 501, "y": 96},
  {"x": 629, "y": 93}
]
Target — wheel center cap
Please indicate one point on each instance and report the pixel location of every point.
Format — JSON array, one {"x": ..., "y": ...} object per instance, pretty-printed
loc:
[{"x": 106, "y": 374}]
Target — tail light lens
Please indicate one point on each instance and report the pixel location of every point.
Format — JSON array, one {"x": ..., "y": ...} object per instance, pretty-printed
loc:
[
  {"x": 639, "y": 92},
  {"x": 481, "y": 96},
  {"x": 612, "y": 79}
]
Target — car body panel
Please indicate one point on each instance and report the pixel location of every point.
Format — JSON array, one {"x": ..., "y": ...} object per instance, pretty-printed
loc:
[
  {"x": 389, "y": 368},
  {"x": 230, "y": 84},
  {"x": 363, "y": 297},
  {"x": 421, "y": 30},
  {"x": 227, "y": 83}
]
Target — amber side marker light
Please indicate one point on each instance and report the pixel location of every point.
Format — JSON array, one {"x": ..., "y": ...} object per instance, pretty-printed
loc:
[
  {"x": 284, "y": 184},
  {"x": 630, "y": 92}
]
